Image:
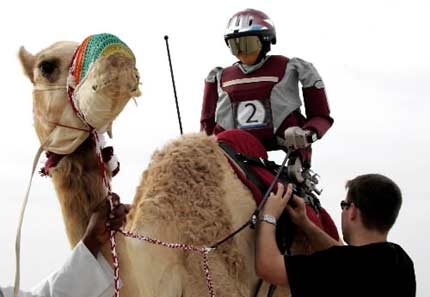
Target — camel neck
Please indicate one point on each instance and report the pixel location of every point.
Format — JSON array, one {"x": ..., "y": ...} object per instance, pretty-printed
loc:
[{"x": 79, "y": 188}]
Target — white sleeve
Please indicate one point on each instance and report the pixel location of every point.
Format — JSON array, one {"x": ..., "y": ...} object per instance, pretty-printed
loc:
[
  {"x": 8, "y": 292},
  {"x": 81, "y": 275}
]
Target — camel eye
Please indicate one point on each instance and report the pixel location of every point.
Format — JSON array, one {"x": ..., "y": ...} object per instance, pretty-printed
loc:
[{"x": 47, "y": 67}]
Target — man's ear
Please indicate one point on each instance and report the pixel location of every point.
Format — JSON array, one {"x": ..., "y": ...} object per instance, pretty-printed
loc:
[
  {"x": 27, "y": 62},
  {"x": 353, "y": 213}
]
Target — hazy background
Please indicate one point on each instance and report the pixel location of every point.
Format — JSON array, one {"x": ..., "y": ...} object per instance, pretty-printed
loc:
[{"x": 372, "y": 55}]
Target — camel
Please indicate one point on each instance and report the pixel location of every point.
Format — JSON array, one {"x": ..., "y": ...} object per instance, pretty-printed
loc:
[{"x": 188, "y": 194}]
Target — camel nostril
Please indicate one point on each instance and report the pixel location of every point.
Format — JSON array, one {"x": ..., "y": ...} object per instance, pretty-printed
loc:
[{"x": 94, "y": 87}]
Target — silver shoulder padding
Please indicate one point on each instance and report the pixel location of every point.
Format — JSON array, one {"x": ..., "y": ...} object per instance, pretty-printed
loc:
[{"x": 214, "y": 74}]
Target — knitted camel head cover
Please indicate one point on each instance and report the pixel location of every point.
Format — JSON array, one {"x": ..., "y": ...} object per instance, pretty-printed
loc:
[
  {"x": 102, "y": 79},
  {"x": 94, "y": 47}
]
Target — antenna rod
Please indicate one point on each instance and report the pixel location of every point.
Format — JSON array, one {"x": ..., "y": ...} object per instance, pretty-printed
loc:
[{"x": 173, "y": 82}]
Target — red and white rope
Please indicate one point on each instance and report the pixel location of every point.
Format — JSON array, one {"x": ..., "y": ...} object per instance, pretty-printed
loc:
[
  {"x": 185, "y": 247},
  {"x": 202, "y": 250},
  {"x": 106, "y": 181},
  {"x": 103, "y": 173}
]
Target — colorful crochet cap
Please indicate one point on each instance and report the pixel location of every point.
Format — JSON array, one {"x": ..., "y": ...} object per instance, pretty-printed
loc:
[{"x": 94, "y": 47}]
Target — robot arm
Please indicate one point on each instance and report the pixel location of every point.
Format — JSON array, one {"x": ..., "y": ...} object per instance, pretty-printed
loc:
[
  {"x": 210, "y": 98},
  {"x": 316, "y": 104}
]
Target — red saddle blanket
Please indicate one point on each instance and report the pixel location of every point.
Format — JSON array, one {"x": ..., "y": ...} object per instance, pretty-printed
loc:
[{"x": 247, "y": 144}]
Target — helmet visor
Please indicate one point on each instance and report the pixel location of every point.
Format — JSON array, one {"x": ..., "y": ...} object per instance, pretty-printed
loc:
[{"x": 244, "y": 44}]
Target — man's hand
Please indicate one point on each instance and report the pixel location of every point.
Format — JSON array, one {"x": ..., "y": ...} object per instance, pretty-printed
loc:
[
  {"x": 102, "y": 221},
  {"x": 297, "y": 212},
  {"x": 296, "y": 137},
  {"x": 276, "y": 203},
  {"x": 318, "y": 238},
  {"x": 269, "y": 262}
]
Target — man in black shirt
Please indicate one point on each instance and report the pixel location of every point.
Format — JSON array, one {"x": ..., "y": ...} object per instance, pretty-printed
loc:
[{"x": 368, "y": 266}]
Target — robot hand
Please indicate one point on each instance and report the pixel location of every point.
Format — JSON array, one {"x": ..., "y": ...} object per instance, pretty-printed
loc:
[{"x": 297, "y": 138}]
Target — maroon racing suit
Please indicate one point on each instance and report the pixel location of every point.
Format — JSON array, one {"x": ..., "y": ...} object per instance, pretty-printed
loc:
[{"x": 264, "y": 100}]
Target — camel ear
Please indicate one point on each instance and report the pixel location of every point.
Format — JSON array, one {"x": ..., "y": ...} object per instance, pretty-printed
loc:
[{"x": 27, "y": 62}]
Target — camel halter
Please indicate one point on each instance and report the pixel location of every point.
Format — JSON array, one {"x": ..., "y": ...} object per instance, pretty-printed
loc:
[{"x": 42, "y": 116}]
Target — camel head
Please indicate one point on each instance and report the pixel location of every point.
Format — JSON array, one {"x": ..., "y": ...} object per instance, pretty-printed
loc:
[{"x": 97, "y": 78}]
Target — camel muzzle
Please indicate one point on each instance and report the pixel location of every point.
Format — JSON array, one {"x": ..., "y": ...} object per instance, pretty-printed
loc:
[{"x": 102, "y": 79}]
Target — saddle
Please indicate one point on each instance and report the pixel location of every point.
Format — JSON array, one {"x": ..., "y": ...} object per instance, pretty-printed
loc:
[{"x": 249, "y": 160}]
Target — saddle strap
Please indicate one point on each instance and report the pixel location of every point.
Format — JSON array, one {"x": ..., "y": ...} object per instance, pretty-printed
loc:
[
  {"x": 273, "y": 168},
  {"x": 260, "y": 162},
  {"x": 235, "y": 157}
]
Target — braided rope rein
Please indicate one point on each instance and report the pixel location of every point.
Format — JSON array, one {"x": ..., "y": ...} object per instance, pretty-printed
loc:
[
  {"x": 185, "y": 247},
  {"x": 204, "y": 251},
  {"x": 103, "y": 172}
]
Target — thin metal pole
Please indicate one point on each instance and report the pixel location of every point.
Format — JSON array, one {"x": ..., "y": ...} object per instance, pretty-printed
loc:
[
  {"x": 173, "y": 82},
  {"x": 272, "y": 185}
]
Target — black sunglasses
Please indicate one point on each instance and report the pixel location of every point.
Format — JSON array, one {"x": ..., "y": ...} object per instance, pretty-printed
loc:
[{"x": 345, "y": 204}]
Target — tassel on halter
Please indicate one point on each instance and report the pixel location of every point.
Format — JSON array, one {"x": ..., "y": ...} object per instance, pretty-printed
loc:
[{"x": 109, "y": 158}]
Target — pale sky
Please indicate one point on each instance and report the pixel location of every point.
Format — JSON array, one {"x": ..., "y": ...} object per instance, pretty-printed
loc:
[{"x": 373, "y": 57}]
